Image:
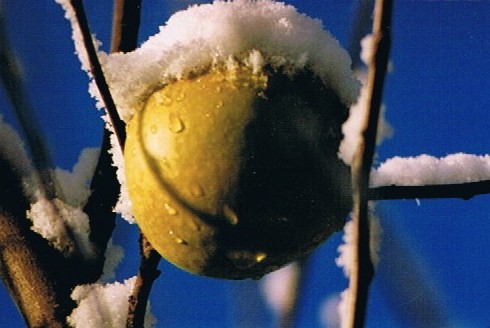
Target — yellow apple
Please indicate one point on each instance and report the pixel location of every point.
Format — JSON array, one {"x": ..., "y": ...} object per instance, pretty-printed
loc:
[{"x": 234, "y": 173}]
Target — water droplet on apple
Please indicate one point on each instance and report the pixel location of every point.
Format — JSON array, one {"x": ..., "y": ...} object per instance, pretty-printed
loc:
[
  {"x": 230, "y": 215},
  {"x": 170, "y": 209},
  {"x": 196, "y": 190},
  {"x": 180, "y": 96},
  {"x": 175, "y": 123}
]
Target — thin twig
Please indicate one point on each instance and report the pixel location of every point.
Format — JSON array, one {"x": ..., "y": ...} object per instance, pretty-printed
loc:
[
  {"x": 98, "y": 74},
  {"x": 125, "y": 25},
  {"x": 458, "y": 190},
  {"x": 105, "y": 185},
  {"x": 148, "y": 273},
  {"x": 126, "y": 21},
  {"x": 362, "y": 269}
]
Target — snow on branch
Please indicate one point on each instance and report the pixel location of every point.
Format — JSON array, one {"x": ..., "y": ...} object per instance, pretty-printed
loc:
[
  {"x": 104, "y": 305},
  {"x": 429, "y": 170},
  {"x": 454, "y": 176}
]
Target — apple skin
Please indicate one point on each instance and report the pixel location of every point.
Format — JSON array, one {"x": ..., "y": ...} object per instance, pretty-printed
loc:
[{"x": 234, "y": 174}]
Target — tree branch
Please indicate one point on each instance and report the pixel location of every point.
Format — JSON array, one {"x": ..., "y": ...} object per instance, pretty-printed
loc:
[
  {"x": 126, "y": 21},
  {"x": 98, "y": 74},
  {"x": 362, "y": 269},
  {"x": 125, "y": 25},
  {"x": 148, "y": 273},
  {"x": 458, "y": 190},
  {"x": 26, "y": 259}
]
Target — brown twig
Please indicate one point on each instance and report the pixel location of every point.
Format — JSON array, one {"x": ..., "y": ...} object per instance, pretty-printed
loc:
[
  {"x": 29, "y": 267},
  {"x": 148, "y": 273},
  {"x": 126, "y": 20},
  {"x": 362, "y": 269},
  {"x": 98, "y": 74},
  {"x": 458, "y": 190},
  {"x": 105, "y": 186},
  {"x": 125, "y": 25}
]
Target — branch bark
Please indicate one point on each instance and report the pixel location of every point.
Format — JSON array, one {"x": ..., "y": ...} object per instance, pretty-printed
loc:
[
  {"x": 362, "y": 269},
  {"x": 458, "y": 190},
  {"x": 38, "y": 277},
  {"x": 148, "y": 273},
  {"x": 126, "y": 20},
  {"x": 26, "y": 260},
  {"x": 98, "y": 74}
]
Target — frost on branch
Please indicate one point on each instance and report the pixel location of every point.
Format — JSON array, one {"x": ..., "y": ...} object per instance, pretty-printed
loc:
[
  {"x": 347, "y": 260},
  {"x": 352, "y": 127},
  {"x": 56, "y": 221},
  {"x": 105, "y": 306},
  {"x": 60, "y": 219}
]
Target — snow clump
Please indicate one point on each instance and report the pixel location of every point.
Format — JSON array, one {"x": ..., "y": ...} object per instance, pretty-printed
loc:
[{"x": 222, "y": 34}]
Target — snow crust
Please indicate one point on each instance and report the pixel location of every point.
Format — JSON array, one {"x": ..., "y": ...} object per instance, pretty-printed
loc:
[
  {"x": 429, "y": 170},
  {"x": 104, "y": 305},
  {"x": 347, "y": 257},
  {"x": 254, "y": 33},
  {"x": 57, "y": 219}
]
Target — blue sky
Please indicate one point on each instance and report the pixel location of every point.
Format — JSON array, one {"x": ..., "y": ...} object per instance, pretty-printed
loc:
[{"x": 436, "y": 99}]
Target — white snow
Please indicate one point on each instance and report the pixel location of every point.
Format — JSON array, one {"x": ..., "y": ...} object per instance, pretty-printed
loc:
[
  {"x": 75, "y": 184},
  {"x": 59, "y": 218},
  {"x": 56, "y": 221},
  {"x": 104, "y": 305},
  {"x": 347, "y": 257},
  {"x": 346, "y": 249},
  {"x": 77, "y": 35},
  {"x": 429, "y": 170},
  {"x": 254, "y": 33}
]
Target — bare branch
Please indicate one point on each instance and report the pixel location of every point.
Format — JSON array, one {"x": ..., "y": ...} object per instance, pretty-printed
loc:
[
  {"x": 362, "y": 269},
  {"x": 148, "y": 273},
  {"x": 105, "y": 186},
  {"x": 29, "y": 267},
  {"x": 98, "y": 74},
  {"x": 125, "y": 25}
]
